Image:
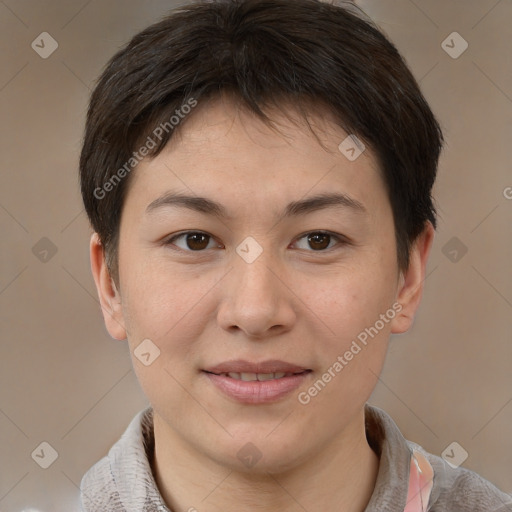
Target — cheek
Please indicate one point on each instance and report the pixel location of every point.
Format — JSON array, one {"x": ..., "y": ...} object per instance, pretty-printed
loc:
[
  {"x": 350, "y": 301},
  {"x": 168, "y": 307},
  {"x": 168, "y": 310},
  {"x": 351, "y": 355},
  {"x": 354, "y": 348}
]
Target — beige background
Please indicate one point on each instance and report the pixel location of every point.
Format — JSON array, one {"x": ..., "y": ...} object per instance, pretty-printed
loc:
[{"x": 64, "y": 381}]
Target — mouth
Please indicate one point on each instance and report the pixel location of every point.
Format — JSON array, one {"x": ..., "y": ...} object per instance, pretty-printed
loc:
[
  {"x": 261, "y": 377},
  {"x": 268, "y": 367},
  {"x": 256, "y": 383}
]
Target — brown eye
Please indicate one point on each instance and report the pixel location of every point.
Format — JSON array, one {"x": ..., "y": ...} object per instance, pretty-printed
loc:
[
  {"x": 191, "y": 241},
  {"x": 319, "y": 241},
  {"x": 197, "y": 241}
]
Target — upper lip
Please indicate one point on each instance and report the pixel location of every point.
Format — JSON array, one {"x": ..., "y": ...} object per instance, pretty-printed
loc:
[{"x": 242, "y": 366}]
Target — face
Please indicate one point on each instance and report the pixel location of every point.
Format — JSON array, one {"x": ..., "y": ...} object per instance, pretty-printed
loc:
[{"x": 284, "y": 276}]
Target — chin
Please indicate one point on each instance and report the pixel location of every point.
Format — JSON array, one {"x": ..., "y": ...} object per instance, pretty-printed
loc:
[{"x": 255, "y": 455}]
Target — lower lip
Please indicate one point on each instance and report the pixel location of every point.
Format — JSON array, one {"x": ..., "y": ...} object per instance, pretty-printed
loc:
[{"x": 257, "y": 392}]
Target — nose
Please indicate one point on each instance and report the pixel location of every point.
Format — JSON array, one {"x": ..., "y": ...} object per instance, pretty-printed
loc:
[{"x": 256, "y": 299}]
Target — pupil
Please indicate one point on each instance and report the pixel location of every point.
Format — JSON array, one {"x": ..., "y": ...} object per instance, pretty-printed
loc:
[
  {"x": 320, "y": 240},
  {"x": 197, "y": 241}
]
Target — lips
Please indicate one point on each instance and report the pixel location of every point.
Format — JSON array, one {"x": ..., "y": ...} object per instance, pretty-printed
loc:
[
  {"x": 257, "y": 383},
  {"x": 261, "y": 368},
  {"x": 249, "y": 377}
]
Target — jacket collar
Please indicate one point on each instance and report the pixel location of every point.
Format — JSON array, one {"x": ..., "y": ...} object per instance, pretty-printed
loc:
[{"x": 124, "y": 478}]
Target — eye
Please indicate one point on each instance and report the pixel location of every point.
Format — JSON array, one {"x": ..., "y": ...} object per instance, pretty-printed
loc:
[
  {"x": 197, "y": 241},
  {"x": 194, "y": 241},
  {"x": 318, "y": 241}
]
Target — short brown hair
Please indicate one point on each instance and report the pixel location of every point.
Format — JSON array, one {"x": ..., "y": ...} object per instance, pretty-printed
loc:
[{"x": 262, "y": 51}]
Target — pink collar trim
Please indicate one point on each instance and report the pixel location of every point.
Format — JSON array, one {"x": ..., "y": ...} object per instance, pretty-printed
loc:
[{"x": 421, "y": 478}]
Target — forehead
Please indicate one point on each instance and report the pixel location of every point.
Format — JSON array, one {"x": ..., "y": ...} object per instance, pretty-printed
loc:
[{"x": 227, "y": 151}]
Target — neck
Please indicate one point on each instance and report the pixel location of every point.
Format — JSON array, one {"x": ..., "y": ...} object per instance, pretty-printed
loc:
[{"x": 339, "y": 477}]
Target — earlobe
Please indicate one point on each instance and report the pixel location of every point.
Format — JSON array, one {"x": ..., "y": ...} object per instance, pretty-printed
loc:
[
  {"x": 109, "y": 296},
  {"x": 411, "y": 282}
]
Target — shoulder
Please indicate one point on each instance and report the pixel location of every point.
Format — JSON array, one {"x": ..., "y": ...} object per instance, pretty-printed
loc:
[
  {"x": 122, "y": 479},
  {"x": 462, "y": 490},
  {"x": 98, "y": 489}
]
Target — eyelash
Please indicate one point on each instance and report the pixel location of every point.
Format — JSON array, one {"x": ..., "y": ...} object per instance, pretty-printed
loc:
[{"x": 339, "y": 238}]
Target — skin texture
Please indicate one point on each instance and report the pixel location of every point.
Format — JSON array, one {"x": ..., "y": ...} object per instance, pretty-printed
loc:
[{"x": 293, "y": 303}]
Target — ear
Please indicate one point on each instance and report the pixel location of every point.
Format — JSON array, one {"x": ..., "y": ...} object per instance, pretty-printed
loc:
[
  {"x": 411, "y": 281},
  {"x": 110, "y": 299}
]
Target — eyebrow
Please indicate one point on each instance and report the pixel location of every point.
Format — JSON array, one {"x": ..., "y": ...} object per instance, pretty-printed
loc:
[{"x": 293, "y": 209}]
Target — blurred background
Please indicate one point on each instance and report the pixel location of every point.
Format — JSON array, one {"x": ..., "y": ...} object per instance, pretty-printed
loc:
[{"x": 65, "y": 383}]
